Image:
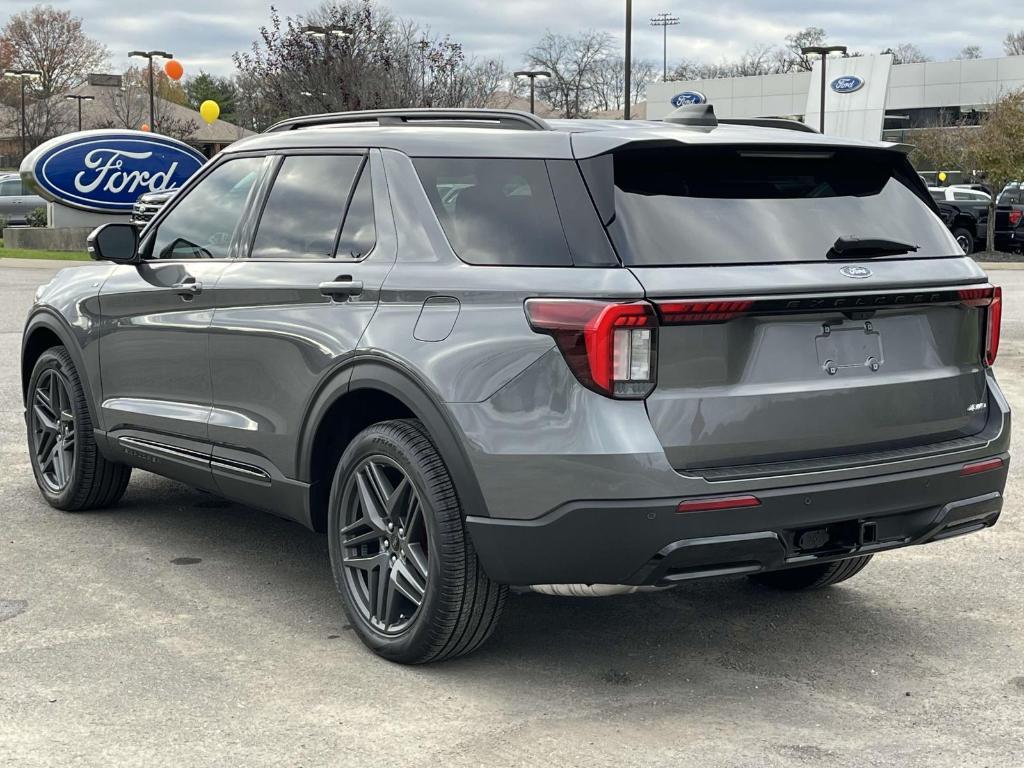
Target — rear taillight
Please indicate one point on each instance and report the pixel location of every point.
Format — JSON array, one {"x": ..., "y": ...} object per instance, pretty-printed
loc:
[
  {"x": 989, "y": 298},
  {"x": 682, "y": 312},
  {"x": 1015, "y": 216},
  {"x": 993, "y": 325},
  {"x": 609, "y": 346}
]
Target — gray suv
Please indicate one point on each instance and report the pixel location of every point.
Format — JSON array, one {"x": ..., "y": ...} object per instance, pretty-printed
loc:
[{"x": 479, "y": 350}]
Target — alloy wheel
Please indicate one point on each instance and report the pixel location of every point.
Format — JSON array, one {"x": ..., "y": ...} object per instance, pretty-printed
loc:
[
  {"x": 53, "y": 430},
  {"x": 384, "y": 545}
]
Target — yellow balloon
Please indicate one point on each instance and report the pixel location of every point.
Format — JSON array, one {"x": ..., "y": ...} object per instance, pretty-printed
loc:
[
  {"x": 942, "y": 176},
  {"x": 209, "y": 110}
]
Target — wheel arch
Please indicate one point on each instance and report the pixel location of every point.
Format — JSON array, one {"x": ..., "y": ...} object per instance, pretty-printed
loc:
[
  {"x": 374, "y": 391},
  {"x": 43, "y": 331}
]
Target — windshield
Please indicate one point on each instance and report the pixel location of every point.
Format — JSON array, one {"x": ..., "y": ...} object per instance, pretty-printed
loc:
[{"x": 756, "y": 205}]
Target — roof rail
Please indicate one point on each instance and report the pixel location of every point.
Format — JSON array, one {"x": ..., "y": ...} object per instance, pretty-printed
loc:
[
  {"x": 475, "y": 118},
  {"x": 770, "y": 122}
]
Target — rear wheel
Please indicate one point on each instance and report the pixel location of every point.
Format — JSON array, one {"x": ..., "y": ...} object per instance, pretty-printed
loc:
[
  {"x": 408, "y": 576},
  {"x": 69, "y": 470},
  {"x": 964, "y": 239},
  {"x": 813, "y": 576}
]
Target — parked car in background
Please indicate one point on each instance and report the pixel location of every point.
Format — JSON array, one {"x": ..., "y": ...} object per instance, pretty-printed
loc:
[
  {"x": 479, "y": 349},
  {"x": 147, "y": 206},
  {"x": 967, "y": 209},
  {"x": 1013, "y": 193},
  {"x": 15, "y": 203}
]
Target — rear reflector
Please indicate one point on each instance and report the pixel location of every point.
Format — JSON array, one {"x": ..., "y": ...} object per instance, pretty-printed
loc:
[
  {"x": 981, "y": 466},
  {"x": 722, "y": 502}
]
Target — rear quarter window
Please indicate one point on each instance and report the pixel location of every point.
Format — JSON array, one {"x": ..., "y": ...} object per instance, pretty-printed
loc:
[{"x": 496, "y": 211}]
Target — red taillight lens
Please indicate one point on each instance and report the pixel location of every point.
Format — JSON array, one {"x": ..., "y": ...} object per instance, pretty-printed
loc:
[
  {"x": 681, "y": 312},
  {"x": 977, "y": 297},
  {"x": 1015, "y": 216},
  {"x": 993, "y": 326},
  {"x": 721, "y": 502},
  {"x": 980, "y": 466},
  {"x": 609, "y": 346}
]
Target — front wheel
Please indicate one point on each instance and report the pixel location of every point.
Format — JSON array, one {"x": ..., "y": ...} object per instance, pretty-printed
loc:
[
  {"x": 409, "y": 579},
  {"x": 813, "y": 576},
  {"x": 70, "y": 471}
]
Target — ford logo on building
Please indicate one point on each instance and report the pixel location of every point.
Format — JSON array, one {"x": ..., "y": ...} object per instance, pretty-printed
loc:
[
  {"x": 688, "y": 97},
  {"x": 847, "y": 84},
  {"x": 106, "y": 170}
]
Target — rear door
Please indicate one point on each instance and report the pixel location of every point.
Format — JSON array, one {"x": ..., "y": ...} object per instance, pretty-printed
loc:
[
  {"x": 291, "y": 308},
  {"x": 770, "y": 351}
]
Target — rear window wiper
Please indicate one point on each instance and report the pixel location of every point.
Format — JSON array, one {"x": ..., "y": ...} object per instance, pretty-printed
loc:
[{"x": 867, "y": 248}]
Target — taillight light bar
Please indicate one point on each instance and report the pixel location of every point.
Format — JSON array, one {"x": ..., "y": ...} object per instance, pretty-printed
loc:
[
  {"x": 683, "y": 312},
  {"x": 609, "y": 346},
  {"x": 718, "y": 503},
  {"x": 993, "y": 326}
]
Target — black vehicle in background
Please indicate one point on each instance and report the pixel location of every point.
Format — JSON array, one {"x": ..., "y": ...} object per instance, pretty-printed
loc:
[{"x": 967, "y": 219}]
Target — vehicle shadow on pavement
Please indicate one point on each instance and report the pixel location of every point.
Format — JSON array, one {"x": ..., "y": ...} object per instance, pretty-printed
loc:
[{"x": 708, "y": 630}]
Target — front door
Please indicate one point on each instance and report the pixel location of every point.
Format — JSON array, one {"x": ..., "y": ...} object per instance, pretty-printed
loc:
[
  {"x": 154, "y": 344},
  {"x": 291, "y": 310}
]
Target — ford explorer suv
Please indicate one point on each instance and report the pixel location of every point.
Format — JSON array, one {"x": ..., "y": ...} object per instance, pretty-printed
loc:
[{"x": 478, "y": 350}]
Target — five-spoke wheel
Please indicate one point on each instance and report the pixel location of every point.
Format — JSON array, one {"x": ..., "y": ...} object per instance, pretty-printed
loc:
[{"x": 52, "y": 424}]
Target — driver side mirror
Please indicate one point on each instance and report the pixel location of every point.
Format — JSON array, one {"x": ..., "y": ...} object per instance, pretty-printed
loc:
[{"x": 114, "y": 242}]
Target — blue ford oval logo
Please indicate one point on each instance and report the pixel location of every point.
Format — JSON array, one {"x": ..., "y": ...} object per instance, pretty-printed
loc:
[
  {"x": 688, "y": 97},
  {"x": 858, "y": 273},
  {"x": 107, "y": 170},
  {"x": 847, "y": 84}
]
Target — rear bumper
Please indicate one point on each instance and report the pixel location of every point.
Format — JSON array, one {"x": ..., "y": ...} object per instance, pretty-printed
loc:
[{"x": 648, "y": 542}]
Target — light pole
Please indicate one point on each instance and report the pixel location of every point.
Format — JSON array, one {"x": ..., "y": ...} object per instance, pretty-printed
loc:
[
  {"x": 533, "y": 74},
  {"x": 823, "y": 51},
  {"x": 325, "y": 32},
  {"x": 24, "y": 74},
  {"x": 149, "y": 56},
  {"x": 664, "y": 20},
  {"x": 80, "y": 99},
  {"x": 629, "y": 58}
]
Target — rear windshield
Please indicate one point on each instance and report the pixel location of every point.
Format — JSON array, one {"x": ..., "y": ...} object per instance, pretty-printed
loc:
[{"x": 738, "y": 205}]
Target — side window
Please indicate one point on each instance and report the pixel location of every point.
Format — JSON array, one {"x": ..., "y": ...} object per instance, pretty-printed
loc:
[
  {"x": 10, "y": 188},
  {"x": 359, "y": 233},
  {"x": 306, "y": 206},
  {"x": 202, "y": 223},
  {"x": 495, "y": 210}
]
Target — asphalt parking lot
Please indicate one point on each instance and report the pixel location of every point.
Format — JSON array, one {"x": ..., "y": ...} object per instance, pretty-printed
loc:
[{"x": 181, "y": 630}]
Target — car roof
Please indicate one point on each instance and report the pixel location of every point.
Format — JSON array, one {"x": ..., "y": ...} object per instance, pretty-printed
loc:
[{"x": 563, "y": 139}]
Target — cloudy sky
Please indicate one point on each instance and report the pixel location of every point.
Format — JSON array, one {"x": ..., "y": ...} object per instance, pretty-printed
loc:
[{"x": 204, "y": 33}]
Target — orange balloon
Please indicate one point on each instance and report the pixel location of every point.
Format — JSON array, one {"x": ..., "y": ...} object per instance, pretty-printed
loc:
[
  {"x": 174, "y": 69},
  {"x": 145, "y": 127}
]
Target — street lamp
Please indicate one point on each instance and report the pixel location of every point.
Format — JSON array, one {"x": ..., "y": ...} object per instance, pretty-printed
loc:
[
  {"x": 664, "y": 20},
  {"x": 533, "y": 74},
  {"x": 24, "y": 74},
  {"x": 80, "y": 99},
  {"x": 823, "y": 51},
  {"x": 629, "y": 58},
  {"x": 149, "y": 55},
  {"x": 326, "y": 32}
]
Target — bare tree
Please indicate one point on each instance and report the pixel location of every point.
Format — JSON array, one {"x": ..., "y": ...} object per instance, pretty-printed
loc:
[
  {"x": 573, "y": 61},
  {"x": 796, "y": 42},
  {"x": 969, "y": 52},
  {"x": 1013, "y": 43},
  {"x": 907, "y": 53},
  {"x": 128, "y": 107}
]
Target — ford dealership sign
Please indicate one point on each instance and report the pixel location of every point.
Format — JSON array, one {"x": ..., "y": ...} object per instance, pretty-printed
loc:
[
  {"x": 847, "y": 84},
  {"x": 107, "y": 170},
  {"x": 688, "y": 97}
]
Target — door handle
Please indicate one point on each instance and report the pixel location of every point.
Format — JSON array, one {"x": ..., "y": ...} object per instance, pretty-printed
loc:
[
  {"x": 188, "y": 288},
  {"x": 342, "y": 287}
]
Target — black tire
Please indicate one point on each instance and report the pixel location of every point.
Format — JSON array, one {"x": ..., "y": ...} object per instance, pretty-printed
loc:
[
  {"x": 965, "y": 239},
  {"x": 88, "y": 480},
  {"x": 459, "y": 605},
  {"x": 813, "y": 576}
]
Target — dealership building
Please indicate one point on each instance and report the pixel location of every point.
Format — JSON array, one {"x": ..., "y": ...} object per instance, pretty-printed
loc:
[{"x": 867, "y": 97}]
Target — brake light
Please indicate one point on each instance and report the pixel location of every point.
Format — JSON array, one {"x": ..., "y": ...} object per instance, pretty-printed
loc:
[
  {"x": 682, "y": 312},
  {"x": 722, "y": 502},
  {"x": 993, "y": 326},
  {"x": 609, "y": 346}
]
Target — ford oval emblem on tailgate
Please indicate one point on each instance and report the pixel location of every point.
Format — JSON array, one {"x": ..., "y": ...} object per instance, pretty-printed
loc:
[{"x": 855, "y": 272}]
